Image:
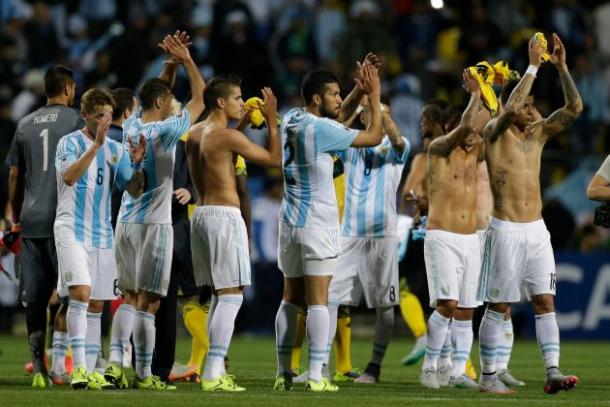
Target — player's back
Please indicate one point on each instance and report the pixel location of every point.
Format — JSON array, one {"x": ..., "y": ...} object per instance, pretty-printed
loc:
[
  {"x": 33, "y": 151},
  {"x": 309, "y": 196},
  {"x": 373, "y": 175},
  {"x": 154, "y": 205}
]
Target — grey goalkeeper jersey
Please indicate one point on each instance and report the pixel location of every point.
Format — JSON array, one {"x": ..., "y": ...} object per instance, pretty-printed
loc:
[{"x": 33, "y": 151}]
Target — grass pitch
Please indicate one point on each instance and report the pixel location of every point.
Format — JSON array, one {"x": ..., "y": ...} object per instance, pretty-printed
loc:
[{"x": 253, "y": 362}]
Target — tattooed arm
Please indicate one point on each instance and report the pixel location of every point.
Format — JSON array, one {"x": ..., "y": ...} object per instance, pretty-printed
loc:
[
  {"x": 562, "y": 118},
  {"x": 391, "y": 129},
  {"x": 498, "y": 126},
  {"x": 444, "y": 145}
]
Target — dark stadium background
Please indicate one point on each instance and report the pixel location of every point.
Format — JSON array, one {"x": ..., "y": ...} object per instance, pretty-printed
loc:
[{"x": 112, "y": 43}]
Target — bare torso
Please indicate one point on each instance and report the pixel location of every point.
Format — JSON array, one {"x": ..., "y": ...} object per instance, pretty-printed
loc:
[
  {"x": 452, "y": 191},
  {"x": 484, "y": 197},
  {"x": 513, "y": 161},
  {"x": 212, "y": 167}
]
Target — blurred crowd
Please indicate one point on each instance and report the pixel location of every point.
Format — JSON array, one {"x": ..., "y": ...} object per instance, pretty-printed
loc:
[{"x": 423, "y": 45}]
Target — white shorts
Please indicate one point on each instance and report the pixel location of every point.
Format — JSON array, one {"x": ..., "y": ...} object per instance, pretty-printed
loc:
[
  {"x": 144, "y": 256},
  {"x": 91, "y": 266},
  {"x": 369, "y": 266},
  {"x": 518, "y": 256},
  {"x": 481, "y": 236},
  {"x": 453, "y": 264},
  {"x": 220, "y": 249},
  {"x": 305, "y": 251}
]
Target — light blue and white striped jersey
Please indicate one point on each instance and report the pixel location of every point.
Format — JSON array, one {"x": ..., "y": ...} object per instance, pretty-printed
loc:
[
  {"x": 83, "y": 210},
  {"x": 155, "y": 204},
  {"x": 309, "y": 193},
  {"x": 372, "y": 176}
]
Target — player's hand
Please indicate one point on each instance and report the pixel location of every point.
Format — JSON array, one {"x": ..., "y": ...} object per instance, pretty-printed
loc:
[
  {"x": 102, "y": 129},
  {"x": 372, "y": 59},
  {"x": 558, "y": 57},
  {"x": 175, "y": 48},
  {"x": 183, "y": 196},
  {"x": 471, "y": 85},
  {"x": 184, "y": 39},
  {"x": 535, "y": 51},
  {"x": 137, "y": 151},
  {"x": 371, "y": 83},
  {"x": 244, "y": 120},
  {"x": 269, "y": 106}
]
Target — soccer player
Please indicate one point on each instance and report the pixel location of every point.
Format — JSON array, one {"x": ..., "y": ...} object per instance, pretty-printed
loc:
[
  {"x": 144, "y": 232},
  {"x": 368, "y": 265},
  {"x": 33, "y": 199},
  {"x": 518, "y": 253},
  {"x": 219, "y": 238},
  {"x": 414, "y": 201},
  {"x": 451, "y": 246},
  {"x": 309, "y": 246},
  {"x": 87, "y": 165}
]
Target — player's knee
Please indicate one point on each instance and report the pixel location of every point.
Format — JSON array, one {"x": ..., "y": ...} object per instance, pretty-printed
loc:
[
  {"x": 543, "y": 304},
  {"x": 96, "y": 306},
  {"x": 446, "y": 307},
  {"x": 500, "y": 307}
]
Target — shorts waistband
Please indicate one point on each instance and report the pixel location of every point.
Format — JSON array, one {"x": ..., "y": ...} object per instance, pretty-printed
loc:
[
  {"x": 506, "y": 226},
  {"x": 452, "y": 235},
  {"x": 217, "y": 210}
]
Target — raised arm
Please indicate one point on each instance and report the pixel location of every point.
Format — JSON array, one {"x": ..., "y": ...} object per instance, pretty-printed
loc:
[
  {"x": 562, "y": 118},
  {"x": 598, "y": 189},
  {"x": 498, "y": 126},
  {"x": 445, "y": 144},
  {"x": 179, "y": 52},
  {"x": 350, "y": 103},
  {"x": 373, "y": 134},
  {"x": 239, "y": 143},
  {"x": 170, "y": 67}
]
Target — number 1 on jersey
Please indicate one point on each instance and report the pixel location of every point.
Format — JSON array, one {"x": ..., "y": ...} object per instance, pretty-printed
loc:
[{"x": 45, "y": 149}]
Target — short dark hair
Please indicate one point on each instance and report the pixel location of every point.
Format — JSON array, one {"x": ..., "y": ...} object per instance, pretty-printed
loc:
[
  {"x": 95, "y": 97},
  {"x": 434, "y": 112},
  {"x": 451, "y": 116},
  {"x": 315, "y": 82},
  {"x": 153, "y": 88},
  {"x": 219, "y": 87},
  {"x": 55, "y": 80},
  {"x": 123, "y": 100}
]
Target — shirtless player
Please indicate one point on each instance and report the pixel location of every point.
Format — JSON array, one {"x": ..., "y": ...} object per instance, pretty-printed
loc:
[
  {"x": 518, "y": 252},
  {"x": 219, "y": 240},
  {"x": 451, "y": 246}
]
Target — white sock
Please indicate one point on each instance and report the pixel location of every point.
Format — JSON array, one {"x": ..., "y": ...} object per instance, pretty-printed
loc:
[
  {"x": 461, "y": 338},
  {"x": 122, "y": 327},
  {"x": 547, "y": 333},
  {"x": 61, "y": 341},
  {"x": 438, "y": 327},
  {"x": 213, "y": 303},
  {"x": 447, "y": 349},
  {"x": 221, "y": 332},
  {"x": 317, "y": 336},
  {"x": 285, "y": 328},
  {"x": 93, "y": 339},
  {"x": 76, "y": 318},
  {"x": 490, "y": 333},
  {"x": 333, "y": 314},
  {"x": 505, "y": 347},
  {"x": 144, "y": 342},
  {"x": 383, "y": 330}
]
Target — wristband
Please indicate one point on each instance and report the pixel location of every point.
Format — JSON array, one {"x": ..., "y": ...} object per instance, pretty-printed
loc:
[
  {"x": 532, "y": 70},
  {"x": 359, "y": 109},
  {"x": 137, "y": 166}
]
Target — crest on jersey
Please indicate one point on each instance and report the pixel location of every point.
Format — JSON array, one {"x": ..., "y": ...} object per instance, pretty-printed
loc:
[{"x": 114, "y": 159}]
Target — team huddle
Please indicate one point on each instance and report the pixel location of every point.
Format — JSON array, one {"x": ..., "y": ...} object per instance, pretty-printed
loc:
[{"x": 485, "y": 240}]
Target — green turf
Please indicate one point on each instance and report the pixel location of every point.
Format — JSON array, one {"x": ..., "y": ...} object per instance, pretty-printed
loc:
[{"x": 253, "y": 362}]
